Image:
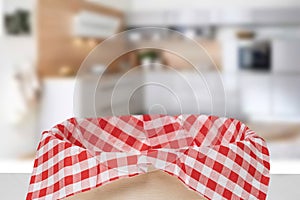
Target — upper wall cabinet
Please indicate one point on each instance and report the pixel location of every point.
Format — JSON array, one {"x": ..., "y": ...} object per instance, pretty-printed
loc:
[
  {"x": 95, "y": 25},
  {"x": 168, "y": 18},
  {"x": 224, "y": 16},
  {"x": 152, "y": 18},
  {"x": 188, "y": 18},
  {"x": 231, "y": 16},
  {"x": 287, "y": 16}
]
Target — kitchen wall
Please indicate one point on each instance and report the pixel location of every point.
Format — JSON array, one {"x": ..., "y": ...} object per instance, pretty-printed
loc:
[
  {"x": 16, "y": 52},
  {"x": 1, "y": 21}
]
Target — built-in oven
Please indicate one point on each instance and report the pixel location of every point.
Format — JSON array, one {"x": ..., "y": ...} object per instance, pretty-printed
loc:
[{"x": 254, "y": 54}]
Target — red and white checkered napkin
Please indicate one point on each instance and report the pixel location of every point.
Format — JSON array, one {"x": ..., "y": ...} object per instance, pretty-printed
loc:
[{"x": 218, "y": 157}]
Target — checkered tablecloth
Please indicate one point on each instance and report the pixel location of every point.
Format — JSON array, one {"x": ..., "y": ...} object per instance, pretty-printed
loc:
[{"x": 219, "y": 158}]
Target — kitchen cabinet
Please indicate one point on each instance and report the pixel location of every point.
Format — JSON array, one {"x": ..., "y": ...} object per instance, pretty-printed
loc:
[
  {"x": 286, "y": 95},
  {"x": 143, "y": 19},
  {"x": 108, "y": 95},
  {"x": 233, "y": 16},
  {"x": 188, "y": 17},
  {"x": 162, "y": 91},
  {"x": 89, "y": 24},
  {"x": 168, "y": 18},
  {"x": 239, "y": 95},
  {"x": 285, "y": 56},
  {"x": 57, "y": 102},
  {"x": 188, "y": 92},
  {"x": 94, "y": 95},
  {"x": 272, "y": 16},
  {"x": 256, "y": 92},
  {"x": 214, "y": 16},
  {"x": 266, "y": 94}
]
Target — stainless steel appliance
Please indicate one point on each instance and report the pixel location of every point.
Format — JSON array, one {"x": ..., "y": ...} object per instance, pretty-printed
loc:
[{"x": 254, "y": 54}]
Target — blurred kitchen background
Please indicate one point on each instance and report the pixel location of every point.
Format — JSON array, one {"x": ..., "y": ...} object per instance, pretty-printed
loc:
[{"x": 254, "y": 44}]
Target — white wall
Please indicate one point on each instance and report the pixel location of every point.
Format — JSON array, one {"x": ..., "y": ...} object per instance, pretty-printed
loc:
[
  {"x": 1, "y": 19},
  {"x": 16, "y": 136}
]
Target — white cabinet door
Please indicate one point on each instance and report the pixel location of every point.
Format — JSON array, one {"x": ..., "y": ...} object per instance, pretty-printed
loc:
[
  {"x": 109, "y": 95},
  {"x": 286, "y": 95},
  {"x": 188, "y": 17},
  {"x": 149, "y": 18},
  {"x": 255, "y": 90},
  {"x": 285, "y": 56},
  {"x": 185, "y": 92},
  {"x": 288, "y": 15},
  {"x": 161, "y": 93},
  {"x": 210, "y": 91},
  {"x": 232, "y": 16},
  {"x": 57, "y": 102}
]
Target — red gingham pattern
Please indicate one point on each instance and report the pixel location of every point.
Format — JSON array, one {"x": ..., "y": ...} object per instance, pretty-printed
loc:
[{"x": 218, "y": 157}]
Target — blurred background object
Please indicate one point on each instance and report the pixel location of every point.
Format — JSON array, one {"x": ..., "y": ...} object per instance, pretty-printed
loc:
[
  {"x": 17, "y": 23},
  {"x": 254, "y": 46}
]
